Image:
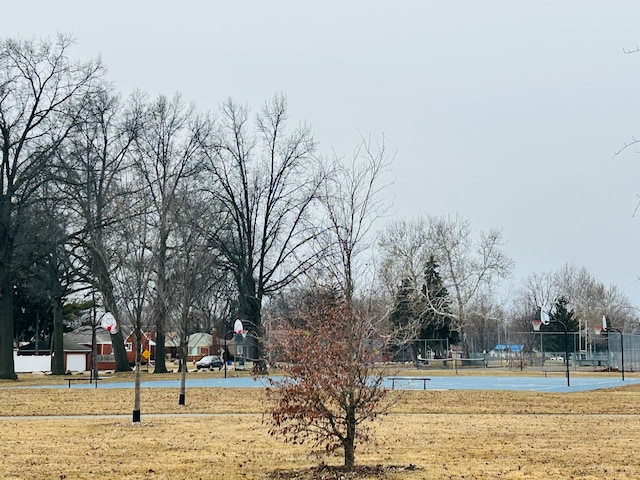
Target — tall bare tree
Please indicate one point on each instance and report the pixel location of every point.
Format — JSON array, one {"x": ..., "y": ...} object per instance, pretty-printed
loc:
[
  {"x": 42, "y": 95},
  {"x": 97, "y": 179},
  {"x": 133, "y": 281},
  {"x": 169, "y": 149},
  {"x": 44, "y": 271},
  {"x": 538, "y": 291},
  {"x": 264, "y": 182},
  {"x": 407, "y": 255},
  {"x": 471, "y": 266},
  {"x": 194, "y": 274},
  {"x": 406, "y": 252},
  {"x": 350, "y": 195}
]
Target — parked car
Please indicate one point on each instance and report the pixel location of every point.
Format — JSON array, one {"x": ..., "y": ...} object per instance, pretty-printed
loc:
[{"x": 210, "y": 362}]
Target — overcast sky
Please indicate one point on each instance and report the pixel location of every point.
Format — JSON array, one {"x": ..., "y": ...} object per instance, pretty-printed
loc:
[{"x": 507, "y": 113}]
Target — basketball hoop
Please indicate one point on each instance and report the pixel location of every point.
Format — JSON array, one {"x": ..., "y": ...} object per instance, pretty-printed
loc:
[
  {"x": 238, "y": 327},
  {"x": 109, "y": 323},
  {"x": 536, "y": 325},
  {"x": 244, "y": 333},
  {"x": 598, "y": 329}
]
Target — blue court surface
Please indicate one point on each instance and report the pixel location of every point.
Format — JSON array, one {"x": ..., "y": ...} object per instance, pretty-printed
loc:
[
  {"x": 532, "y": 384},
  {"x": 485, "y": 382}
]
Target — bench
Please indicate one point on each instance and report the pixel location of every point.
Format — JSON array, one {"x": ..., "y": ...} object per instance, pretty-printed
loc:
[
  {"x": 82, "y": 379},
  {"x": 424, "y": 381}
]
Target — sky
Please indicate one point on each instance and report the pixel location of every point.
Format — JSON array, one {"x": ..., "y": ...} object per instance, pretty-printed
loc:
[{"x": 507, "y": 113}]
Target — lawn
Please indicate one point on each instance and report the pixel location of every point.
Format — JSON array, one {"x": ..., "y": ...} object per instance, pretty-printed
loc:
[{"x": 221, "y": 433}]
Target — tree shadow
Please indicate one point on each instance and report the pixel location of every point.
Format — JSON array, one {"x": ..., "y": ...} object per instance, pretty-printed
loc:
[{"x": 329, "y": 472}]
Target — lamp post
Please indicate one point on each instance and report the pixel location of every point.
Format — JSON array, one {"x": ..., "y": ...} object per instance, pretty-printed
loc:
[
  {"x": 600, "y": 330},
  {"x": 536, "y": 326}
]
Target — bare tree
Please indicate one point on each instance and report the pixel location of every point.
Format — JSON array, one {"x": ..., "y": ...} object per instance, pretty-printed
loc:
[
  {"x": 351, "y": 199},
  {"x": 331, "y": 388},
  {"x": 591, "y": 299},
  {"x": 407, "y": 257},
  {"x": 406, "y": 251},
  {"x": 264, "y": 182},
  {"x": 42, "y": 94},
  {"x": 43, "y": 270},
  {"x": 538, "y": 291},
  {"x": 484, "y": 322},
  {"x": 169, "y": 149},
  {"x": 194, "y": 273},
  {"x": 470, "y": 266},
  {"x": 134, "y": 282},
  {"x": 97, "y": 168}
]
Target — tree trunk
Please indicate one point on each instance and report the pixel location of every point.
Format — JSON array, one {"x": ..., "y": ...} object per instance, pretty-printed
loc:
[
  {"x": 250, "y": 309},
  {"x": 7, "y": 367},
  {"x": 136, "y": 396},
  {"x": 249, "y": 305},
  {"x": 349, "y": 442},
  {"x": 249, "y": 302},
  {"x": 57, "y": 362},
  {"x": 161, "y": 365},
  {"x": 465, "y": 347},
  {"x": 105, "y": 287},
  {"x": 183, "y": 370},
  {"x": 119, "y": 352},
  {"x": 160, "y": 306}
]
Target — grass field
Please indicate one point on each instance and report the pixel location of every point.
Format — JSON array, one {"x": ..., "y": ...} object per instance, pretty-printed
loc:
[{"x": 220, "y": 433}]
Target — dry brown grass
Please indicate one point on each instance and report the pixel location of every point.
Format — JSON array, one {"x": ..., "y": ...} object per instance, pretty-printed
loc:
[{"x": 444, "y": 434}]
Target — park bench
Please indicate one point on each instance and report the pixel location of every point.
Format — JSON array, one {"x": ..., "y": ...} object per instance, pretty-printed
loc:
[
  {"x": 82, "y": 379},
  {"x": 424, "y": 381}
]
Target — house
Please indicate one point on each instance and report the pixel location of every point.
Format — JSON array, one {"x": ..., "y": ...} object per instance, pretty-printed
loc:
[
  {"x": 31, "y": 357},
  {"x": 199, "y": 345},
  {"x": 148, "y": 345},
  {"x": 104, "y": 349}
]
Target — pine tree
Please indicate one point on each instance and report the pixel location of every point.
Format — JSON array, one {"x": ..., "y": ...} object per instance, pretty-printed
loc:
[
  {"x": 561, "y": 313},
  {"x": 403, "y": 309},
  {"x": 435, "y": 304}
]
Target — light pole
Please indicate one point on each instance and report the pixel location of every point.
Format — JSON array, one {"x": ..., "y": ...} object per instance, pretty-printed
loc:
[
  {"x": 536, "y": 326},
  {"x": 604, "y": 329}
]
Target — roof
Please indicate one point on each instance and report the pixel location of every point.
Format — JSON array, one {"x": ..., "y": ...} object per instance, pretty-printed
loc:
[
  {"x": 82, "y": 336},
  {"x": 171, "y": 339},
  {"x": 199, "y": 339},
  {"x": 43, "y": 347}
]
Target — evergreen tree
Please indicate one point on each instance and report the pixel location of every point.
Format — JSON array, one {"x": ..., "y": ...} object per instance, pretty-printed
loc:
[
  {"x": 402, "y": 318},
  {"x": 561, "y": 313},
  {"x": 435, "y": 323},
  {"x": 403, "y": 309}
]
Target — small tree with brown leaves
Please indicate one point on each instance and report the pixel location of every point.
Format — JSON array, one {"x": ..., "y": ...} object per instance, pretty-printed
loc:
[{"x": 331, "y": 385}]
